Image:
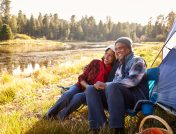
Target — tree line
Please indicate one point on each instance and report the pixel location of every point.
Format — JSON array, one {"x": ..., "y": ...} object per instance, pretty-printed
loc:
[{"x": 51, "y": 26}]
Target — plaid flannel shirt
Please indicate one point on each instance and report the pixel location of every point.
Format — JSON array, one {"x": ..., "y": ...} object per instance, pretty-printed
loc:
[{"x": 135, "y": 73}]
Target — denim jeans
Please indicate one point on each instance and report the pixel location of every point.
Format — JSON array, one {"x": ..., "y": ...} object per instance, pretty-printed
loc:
[
  {"x": 118, "y": 99},
  {"x": 67, "y": 103}
]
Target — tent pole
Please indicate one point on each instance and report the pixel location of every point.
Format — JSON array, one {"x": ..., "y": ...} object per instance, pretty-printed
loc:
[{"x": 161, "y": 50}]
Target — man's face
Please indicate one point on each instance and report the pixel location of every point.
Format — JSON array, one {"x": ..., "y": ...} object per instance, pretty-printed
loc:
[{"x": 121, "y": 50}]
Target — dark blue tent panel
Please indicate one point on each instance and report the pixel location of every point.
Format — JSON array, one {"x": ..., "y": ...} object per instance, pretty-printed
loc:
[{"x": 166, "y": 87}]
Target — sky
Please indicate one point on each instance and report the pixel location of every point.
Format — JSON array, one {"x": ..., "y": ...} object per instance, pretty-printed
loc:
[{"x": 138, "y": 11}]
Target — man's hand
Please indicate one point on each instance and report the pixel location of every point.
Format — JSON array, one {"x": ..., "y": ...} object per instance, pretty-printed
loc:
[{"x": 100, "y": 85}]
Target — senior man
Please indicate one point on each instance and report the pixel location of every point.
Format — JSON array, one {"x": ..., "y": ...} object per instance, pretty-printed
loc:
[{"x": 128, "y": 86}]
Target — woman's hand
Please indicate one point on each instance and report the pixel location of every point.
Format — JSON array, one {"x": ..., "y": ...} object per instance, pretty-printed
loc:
[
  {"x": 100, "y": 85},
  {"x": 84, "y": 84}
]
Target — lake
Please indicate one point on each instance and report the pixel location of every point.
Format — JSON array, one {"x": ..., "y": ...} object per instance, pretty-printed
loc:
[{"x": 27, "y": 63}]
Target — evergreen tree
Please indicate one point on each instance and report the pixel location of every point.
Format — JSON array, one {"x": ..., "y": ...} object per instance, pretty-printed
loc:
[
  {"x": 13, "y": 24},
  {"x": 6, "y": 32},
  {"x": 21, "y": 22},
  {"x": 84, "y": 25},
  {"x": 92, "y": 33},
  {"x": 7, "y": 12},
  {"x": 46, "y": 22},
  {"x": 40, "y": 25},
  {"x": 64, "y": 30},
  {"x": 37, "y": 28},
  {"x": 54, "y": 26},
  {"x": 79, "y": 32},
  {"x": 159, "y": 27},
  {"x": 101, "y": 31},
  {"x": 1, "y": 21},
  {"x": 72, "y": 27},
  {"x": 56, "y": 20},
  {"x": 32, "y": 26},
  {"x": 149, "y": 28},
  {"x": 2, "y": 7},
  {"x": 114, "y": 32},
  {"x": 139, "y": 30},
  {"x": 56, "y": 23},
  {"x": 170, "y": 19},
  {"x": 125, "y": 29},
  {"x": 109, "y": 27}
]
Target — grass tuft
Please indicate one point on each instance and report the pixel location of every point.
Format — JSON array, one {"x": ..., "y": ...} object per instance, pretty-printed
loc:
[
  {"x": 7, "y": 95},
  {"x": 24, "y": 100}
]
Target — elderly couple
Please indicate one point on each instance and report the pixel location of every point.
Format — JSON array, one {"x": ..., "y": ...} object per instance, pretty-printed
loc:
[{"x": 111, "y": 84}]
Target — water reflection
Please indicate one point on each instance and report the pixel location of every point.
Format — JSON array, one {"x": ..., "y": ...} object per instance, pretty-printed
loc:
[
  {"x": 25, "y": 68},
  {"x": 30, "y": 68}
]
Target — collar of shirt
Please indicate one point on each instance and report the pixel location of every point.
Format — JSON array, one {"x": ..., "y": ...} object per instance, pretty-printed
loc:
[{"x": 128, "y": 57}]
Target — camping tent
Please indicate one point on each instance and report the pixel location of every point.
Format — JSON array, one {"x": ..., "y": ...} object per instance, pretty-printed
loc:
[{"x": 166, "y": 86}]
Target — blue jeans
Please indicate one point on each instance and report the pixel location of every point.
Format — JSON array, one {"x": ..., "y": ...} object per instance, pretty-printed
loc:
[
  {"x": 117, "y": 98},
  {"x": 67, "y": 103}
]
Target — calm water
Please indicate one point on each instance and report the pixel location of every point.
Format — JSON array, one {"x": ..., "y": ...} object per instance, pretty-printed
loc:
[{"x": 26, "y": 63}]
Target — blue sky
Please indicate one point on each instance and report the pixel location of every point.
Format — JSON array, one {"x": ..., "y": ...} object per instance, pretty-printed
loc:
[{"x": 120, "y": 10}]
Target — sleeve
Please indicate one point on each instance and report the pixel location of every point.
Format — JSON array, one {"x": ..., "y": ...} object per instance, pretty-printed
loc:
[
  {"x": 86, "y": 71},
  {"x": 136, "y": 74}
]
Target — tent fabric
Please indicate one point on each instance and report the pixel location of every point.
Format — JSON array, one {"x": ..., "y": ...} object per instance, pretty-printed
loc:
[
  {"x": 172, "y": 31},
  {"x": 170, "y": 44},
  {"x": 166, "y": 87},
  {"x": 170, "y": 41}
]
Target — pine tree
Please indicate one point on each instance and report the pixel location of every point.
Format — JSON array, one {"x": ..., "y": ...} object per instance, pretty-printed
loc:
[
  {"x": 21, "y": 22},
  {"x": 13, "y": 24},
  {"x": 1, "y": 21},
  {"x": 149, "y": 28},
  {"x": 40, "y": 24},
  {"x": 101, "y": 30},
  {"x": 6, "y": 32},
  {"x": 32, "y": 25},
  {"x": 7, "y": 12},
  {"x": 46, "y": 25},
  {"x": 72, "y": 27},
  {"x": 170, "y": 19}
]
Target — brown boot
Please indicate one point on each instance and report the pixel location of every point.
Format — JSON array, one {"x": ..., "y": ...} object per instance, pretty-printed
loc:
[
  {"x": 94, "y": 131},
  {"x": 117, "y": 131}
]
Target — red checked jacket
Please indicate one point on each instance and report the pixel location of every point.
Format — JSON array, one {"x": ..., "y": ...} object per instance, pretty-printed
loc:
[{"x": 95, "y": 71}]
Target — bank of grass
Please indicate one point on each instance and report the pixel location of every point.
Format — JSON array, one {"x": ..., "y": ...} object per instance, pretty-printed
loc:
[
  {"x": 149, "y": 53},
  {"x": 24, "y": 100},
  {"x": 29, "y": 45}
]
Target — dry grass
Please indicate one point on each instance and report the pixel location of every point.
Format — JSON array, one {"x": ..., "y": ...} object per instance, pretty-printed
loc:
[
  {"x": 29, "y": 45},
  {"x": 24, "y": 100}
]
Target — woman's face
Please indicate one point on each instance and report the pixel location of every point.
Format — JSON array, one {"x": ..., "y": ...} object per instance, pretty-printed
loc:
[{"x": 109, "y": 57}]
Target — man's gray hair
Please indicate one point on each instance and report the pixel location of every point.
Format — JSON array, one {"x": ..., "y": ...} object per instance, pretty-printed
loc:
[{"x": 125, "y": 40}]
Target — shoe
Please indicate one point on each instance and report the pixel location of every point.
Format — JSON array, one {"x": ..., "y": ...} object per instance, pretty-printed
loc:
[
  {"x": 94, "y": 131},
  {"x": 117, "y": 131},
  {"x": 46, "y": 117}
]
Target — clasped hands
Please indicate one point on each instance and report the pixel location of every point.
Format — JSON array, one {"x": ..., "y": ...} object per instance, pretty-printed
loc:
[{"x": 100, "y": 85}]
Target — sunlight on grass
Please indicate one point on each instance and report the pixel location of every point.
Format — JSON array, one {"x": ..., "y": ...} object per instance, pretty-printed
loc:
[
  {"x": 149, "y": 53},
  {"x": 25, "y": 99},
  {"x": 19, "y": 45}
]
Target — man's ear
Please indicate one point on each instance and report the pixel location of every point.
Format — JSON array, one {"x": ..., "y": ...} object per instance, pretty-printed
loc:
[{"x": 129, "y": 50}]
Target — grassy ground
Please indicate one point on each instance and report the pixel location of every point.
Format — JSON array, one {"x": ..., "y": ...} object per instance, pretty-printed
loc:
[
  {"x": 28, "y": 45},
  {"x": 24, "y": 100}
]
